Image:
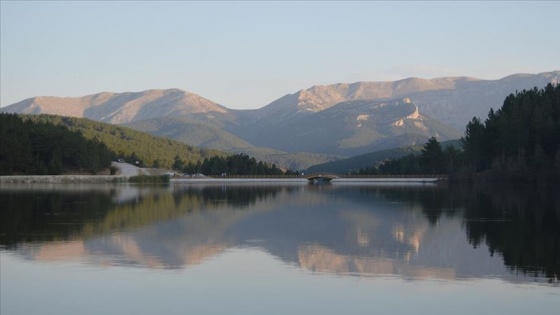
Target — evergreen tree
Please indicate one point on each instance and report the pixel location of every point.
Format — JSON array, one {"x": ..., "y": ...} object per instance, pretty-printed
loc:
[
  {"x": 41, "y": 148},
  {"x": 178, "y": 164},
  {"x": 432, "y": 157},
  {"x": 473, "y": 142}
]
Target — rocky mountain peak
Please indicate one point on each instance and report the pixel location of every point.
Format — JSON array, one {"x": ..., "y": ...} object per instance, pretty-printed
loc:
[{"x": 319, "y": 98}]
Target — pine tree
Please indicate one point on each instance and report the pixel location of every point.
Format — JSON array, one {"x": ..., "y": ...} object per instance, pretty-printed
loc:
[{"x": 432, "y": 157}]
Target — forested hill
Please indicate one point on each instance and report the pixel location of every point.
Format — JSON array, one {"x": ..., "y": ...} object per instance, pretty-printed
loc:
[
  {"x": 521, "y": 140},
  {"x": 40, "y": 148},
  {"x": 130, "y": 144}
]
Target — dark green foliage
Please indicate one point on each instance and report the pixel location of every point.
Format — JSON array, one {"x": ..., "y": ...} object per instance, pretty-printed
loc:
[
  {"x": 113, "y": 170},
  {"x": 431, "y": 157},
  {"x": 41, "y": 148},
  {"x": 474, "y": 143},
  {"x": 131, "y": 145},
  {"x": 530, "y": 241},
  {"x": 292, "y": 173},
  {"x": 409, "y": 164},
  {"x": 178, "y": 164},
  {"x": 520, "y": 141},
  {"x": 238, "y": 164},
  {"x": 452, "y": 160},
  {"x": 42, "y": 152},
  {"x": 431, "y": 160},
  {"x": 370, "y": 161}
]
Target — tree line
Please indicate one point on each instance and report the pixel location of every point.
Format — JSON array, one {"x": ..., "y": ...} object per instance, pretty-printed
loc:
[
  {"x": 237, "y": 164},
  {"x": 53, "y": 145},
  {"x": 39, "y": 148},
  {"x": 518, "y": 142},
  {"x": 521, "y": 140},
  {"x": 432, "y": 159},
  {"x": 130, "y": 145}
]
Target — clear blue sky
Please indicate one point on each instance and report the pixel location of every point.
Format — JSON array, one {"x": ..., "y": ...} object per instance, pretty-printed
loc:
[{"x": 247, "y": 54}]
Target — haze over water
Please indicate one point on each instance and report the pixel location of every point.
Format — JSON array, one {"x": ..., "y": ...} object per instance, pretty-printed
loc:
[{"x": 277, "y": 249}]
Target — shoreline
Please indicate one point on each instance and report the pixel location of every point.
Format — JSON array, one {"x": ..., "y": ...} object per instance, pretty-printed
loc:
[
  {"x": 305, "y": 180},
  {"x": 94, "y": 179},
  {"x": 63, "y": 179}
]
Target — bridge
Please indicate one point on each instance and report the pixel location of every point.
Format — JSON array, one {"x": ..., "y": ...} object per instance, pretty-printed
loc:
[
  {"x": 321, "y": 178},
  {"x": 424, "y": 178}
]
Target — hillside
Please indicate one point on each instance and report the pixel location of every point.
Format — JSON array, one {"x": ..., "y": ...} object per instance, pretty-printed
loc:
[
  {"x": 198, "y": 133},
  {"x": 355, "y": 163},
  {"x": 151, "y": 150},
  {"x": 41, "y": 148},
  {"x": 352, "y": 128}
]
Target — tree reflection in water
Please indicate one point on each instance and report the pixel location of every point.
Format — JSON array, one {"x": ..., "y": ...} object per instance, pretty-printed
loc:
[
  {"x": 522, "y": 224},
  {"x": 369, "y": 225}
]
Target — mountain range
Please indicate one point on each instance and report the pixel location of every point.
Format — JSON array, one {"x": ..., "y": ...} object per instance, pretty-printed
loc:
[{"x": 310, "y": 126}]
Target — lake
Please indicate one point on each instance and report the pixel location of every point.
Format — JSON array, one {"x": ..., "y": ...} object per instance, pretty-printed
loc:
[{"x": 279, "y": 249}]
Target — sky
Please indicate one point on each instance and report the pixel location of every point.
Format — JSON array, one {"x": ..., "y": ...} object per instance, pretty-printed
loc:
[{"x": 246, "y": 54}]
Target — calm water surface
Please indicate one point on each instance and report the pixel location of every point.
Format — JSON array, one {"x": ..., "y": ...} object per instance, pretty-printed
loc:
[{"x": 278, "y": 249}]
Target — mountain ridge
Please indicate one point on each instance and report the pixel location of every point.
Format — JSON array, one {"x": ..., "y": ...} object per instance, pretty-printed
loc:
[
  {"x": 432, "y": 95},
  {"x": 341, "y": 119},
  {"x": 119, "y": 108}
]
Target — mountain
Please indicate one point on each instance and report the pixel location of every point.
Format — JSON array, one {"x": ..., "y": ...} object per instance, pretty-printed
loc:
[
  {"x": 471, "y": 98},
  {"x": 119, "y": 108},
  {"x": 208, "y": 133},
  {"x": 321, "y": 97},
  {"x": 452, "y": 100},
  {"x": 352, "y": 128},
  {"x": 346, "y": 129},
  {"x": 322, "y": 122}
]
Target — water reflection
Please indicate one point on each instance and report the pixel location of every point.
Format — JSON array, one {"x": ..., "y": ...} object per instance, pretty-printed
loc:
[{"x": 415, "y": 232}]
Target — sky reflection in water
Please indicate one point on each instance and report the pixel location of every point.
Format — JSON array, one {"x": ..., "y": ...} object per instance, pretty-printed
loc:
[{"x": 277, "y": 249}]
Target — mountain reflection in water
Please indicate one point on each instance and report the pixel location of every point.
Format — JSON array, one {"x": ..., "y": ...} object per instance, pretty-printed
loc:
[{"x": 415, "y": 232}]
